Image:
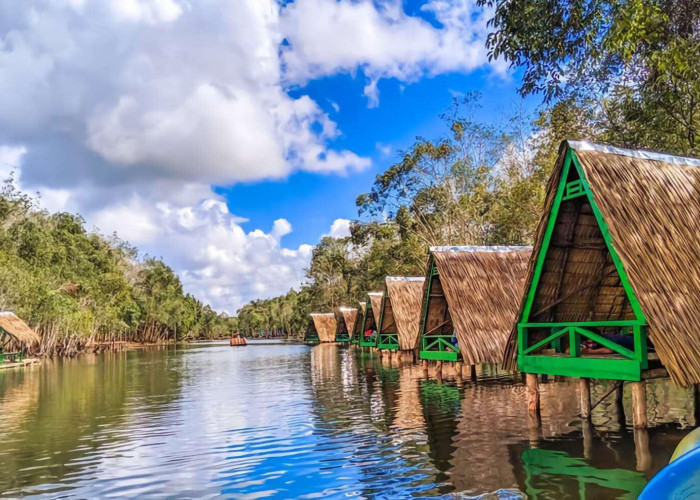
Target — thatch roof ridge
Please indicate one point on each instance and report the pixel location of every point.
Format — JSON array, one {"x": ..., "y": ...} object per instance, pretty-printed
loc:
[
  {"x": 478, "y": 249},
  {"x": 641, "y": 154},
  {"x": 483, "y": 290},
  {"x": 406, "y": 295},
  {"x": 650, "y": 203},
  {"x": 17, "y": 328}
]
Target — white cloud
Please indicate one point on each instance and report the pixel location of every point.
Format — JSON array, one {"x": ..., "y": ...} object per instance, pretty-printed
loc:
[
  {"x": 380, "y": 39},
  {"x": 339, "y": 229}
]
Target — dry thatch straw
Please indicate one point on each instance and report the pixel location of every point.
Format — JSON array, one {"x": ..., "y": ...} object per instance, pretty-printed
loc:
[
  {"x": 402, "y": 307},
  {"x": 18, "y": 329},
  {"x": 325, "y": 326},
  {"x": 349, "y": 316},
  {"x": 651, "y": 205},
  {"x": 375, "y": 298},
  {"x": 483, "y": 287}
]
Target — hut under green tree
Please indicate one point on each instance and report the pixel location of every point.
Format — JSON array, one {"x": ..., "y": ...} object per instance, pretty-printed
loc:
[
  {"x": 15, "y": 337},
  {"x": 370, "y": 320},
  {"x": 616, "y": 261},
  {"x": 399, "y": 317},
  {"x": 470, "y": 302},
  {"x": 345, "y": 320}
]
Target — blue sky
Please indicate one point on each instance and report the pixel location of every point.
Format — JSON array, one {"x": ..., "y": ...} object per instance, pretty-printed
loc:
[
  {"x": 227, "y": 136},
  {"x": 311, "y": 202}
]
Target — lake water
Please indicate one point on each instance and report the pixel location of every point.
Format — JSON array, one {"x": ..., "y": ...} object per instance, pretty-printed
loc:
[{"x": 287, "y": 421}]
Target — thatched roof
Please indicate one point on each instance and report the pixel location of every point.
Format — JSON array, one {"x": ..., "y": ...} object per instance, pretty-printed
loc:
[
  {"x": 483, "y": 287},
  {"x": 325, "y": 326},
  {"x": 375, "y": 298},
  {"x": 651, "y": 205},
  {"x": 406, "y": 297},
  {"x": 18, "y": 329},
  {"x": 349, "y": 315}
]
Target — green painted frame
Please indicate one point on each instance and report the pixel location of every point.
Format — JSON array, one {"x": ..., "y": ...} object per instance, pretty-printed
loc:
[
  {"x": 629, "y": 364},
  {"x": 389, "y": 341},
  {"x": 372, "y": 342},
  {"x": 434, "y": 347}
]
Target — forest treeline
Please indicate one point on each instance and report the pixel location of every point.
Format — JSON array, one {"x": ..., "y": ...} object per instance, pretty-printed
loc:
[
  {"x": 620, "y": 72},
  {"x": 77, "y": 288}
]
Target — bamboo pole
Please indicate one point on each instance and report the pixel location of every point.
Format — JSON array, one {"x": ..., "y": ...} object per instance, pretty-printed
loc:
[
  {"x": 585, "y": 390},
  {"x": 533, "y": 394},
  {"x": 639, "y": 404}
]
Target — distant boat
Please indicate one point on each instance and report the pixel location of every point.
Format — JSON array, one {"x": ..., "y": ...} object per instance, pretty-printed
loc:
[{"x": 238, "y": 340}]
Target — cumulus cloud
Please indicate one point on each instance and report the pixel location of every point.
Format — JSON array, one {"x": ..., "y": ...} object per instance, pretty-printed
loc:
[
  {"x": 128, "y": 111},
  {"x": 383, "y": 41},
  {"x": 339, "y": 229}
]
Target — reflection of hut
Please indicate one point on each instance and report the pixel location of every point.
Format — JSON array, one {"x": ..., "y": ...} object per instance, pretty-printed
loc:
[
  {"x": 409, "y": 409},
  {"x": 325, "y": 326},
  {"x": 616, "y": 259},
  {"x": 400, "y": 313},
  {"x": 471, "y": 297},
  {"x": 373, "y": 307},
  {"x": 15, "y": 334},
  {"x": 345, "y": 319}
]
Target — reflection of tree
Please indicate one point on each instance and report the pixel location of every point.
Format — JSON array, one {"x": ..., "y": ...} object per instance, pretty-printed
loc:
[{"x": 78, "y": 406}]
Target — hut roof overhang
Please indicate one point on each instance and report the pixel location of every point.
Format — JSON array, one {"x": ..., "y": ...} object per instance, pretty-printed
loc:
[
  {"x": 18, "y": 329},
  {"x": 646, "y": 205},
  {"x": 406, "y": 297},
  {"x": 483, "y": 286}
]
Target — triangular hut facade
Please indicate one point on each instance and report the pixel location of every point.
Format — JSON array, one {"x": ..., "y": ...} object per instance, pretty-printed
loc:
[
  {"x": 311, "y": 335},
  {"x": 359, "y": 321},
  {"x": 370, "y": 321},
  {"x": 345, "y": 320},
  {"x": 616, "y": 260},
  {"x": 400, "y": 313},
  {"x": 325, "y": 326},
  {"x": 470, "y": 302}
]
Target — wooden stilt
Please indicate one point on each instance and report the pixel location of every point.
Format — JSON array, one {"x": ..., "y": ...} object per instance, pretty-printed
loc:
[
  {"x": 533, "y": 393},
  {"x": 438, "y": 372},
  {"x": 587, "y": 429},
  {"x": 458, "y": 371},
  {"x": 641, "y": 449},
  {"x": 426, "y": 370},
  {"x": 585, "y": 391},
  {"x": 639, "y": 404}
]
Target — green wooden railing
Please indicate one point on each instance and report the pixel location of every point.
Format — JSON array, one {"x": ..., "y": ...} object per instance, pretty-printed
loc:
[
  {"x": 388, "y": 341},
  {"x": 11, "y": 356},
  {"x": 370, "y": 341},
  {"x": 626, "y": 366},
  {"x": 342, "y": 337},
  {"x": 438, "y": 347}
]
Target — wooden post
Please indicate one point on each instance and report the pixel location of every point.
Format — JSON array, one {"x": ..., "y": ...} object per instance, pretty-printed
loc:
[
  {"x": 533, "y": 393},
  {"x": 458, "y": 371},
  {"x": 438, "y": 373},
  {"x": 639, "y": 404},
  {"x": 425, "y": 368},
  {"x": 585, "y": 390}
]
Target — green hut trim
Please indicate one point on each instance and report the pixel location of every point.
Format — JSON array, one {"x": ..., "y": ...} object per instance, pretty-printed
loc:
[
  {"x": 371, "y": 319},
  {"x": 400, "y": 313},
  {"x": 311, "y": 335},
  {"x": 357, "y": 330},
  {"x": 617, "y": 251},
  {"x": 471, "y": 298},
  {"x": 345, "y": 320}
]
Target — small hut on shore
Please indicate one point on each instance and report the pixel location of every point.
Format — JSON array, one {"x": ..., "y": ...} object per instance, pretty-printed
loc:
[
  {"x": 400, "y": 313},
  {"x": 370, "y": 321},
  {"x": 616, "y": 262},
  {"x": 471, "y": 298},
  {"x": 357, "y": 330},
  {"x": 345, "y": 319},
  {"x": 311, "y": 335},
  {"x": 15, "y": 336},
  {"x": 325, "y": 326}
]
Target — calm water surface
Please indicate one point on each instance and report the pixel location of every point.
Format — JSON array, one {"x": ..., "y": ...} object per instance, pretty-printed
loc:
[{"x": 284, "y": 420}]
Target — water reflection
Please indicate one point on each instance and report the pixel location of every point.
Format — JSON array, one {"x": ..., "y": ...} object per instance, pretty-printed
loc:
[{"x": 276, "y": 420}]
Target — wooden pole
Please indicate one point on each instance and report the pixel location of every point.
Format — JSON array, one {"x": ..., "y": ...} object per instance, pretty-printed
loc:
[
  {"x": 425, "y": 368},
  {"x": 585, "y": 390},
  {"x": 533, "y": 394},
  {"x": 438, "y": 373},
  {"x": 639, "y": 404},
  {"x": 458, "y": 371}
]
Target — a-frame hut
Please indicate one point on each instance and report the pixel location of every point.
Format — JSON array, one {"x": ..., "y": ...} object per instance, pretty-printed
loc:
[
  {"x": 359, "y": 321},
  {"x": 470, "y": 302},
  {"x": 370, "y": 322},
  {"x": 15, "y": 334},
  {"x": 325, "y": 326},
  {"x": 399, "y": 319},
  {"x": 311, "y": 335},
  {"x": 345, "y": 320},
  {"x": 616, "y": 262}
]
